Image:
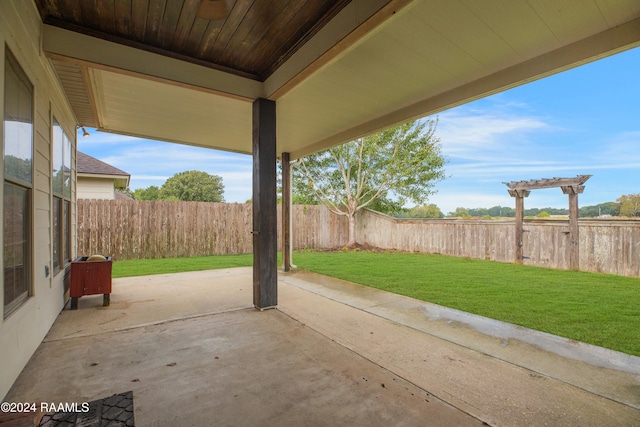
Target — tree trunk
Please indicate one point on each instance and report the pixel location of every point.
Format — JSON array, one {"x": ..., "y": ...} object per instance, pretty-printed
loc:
[
  {"x": 352, "y": 230},
  {"x": 351, "y": 209}
]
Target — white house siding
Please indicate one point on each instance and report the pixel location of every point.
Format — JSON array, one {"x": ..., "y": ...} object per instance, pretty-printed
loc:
[
  {"x": 96, "y": 188},
  {"x": 24, "y": 329}
]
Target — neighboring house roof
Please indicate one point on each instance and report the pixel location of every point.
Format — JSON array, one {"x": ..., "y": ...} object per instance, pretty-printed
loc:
[
  {"x": 91, "y": 167},
  {"x": 121, "y": 196}
]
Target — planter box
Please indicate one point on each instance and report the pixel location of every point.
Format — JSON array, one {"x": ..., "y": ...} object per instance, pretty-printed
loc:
[{"x": 90, "y": 278}]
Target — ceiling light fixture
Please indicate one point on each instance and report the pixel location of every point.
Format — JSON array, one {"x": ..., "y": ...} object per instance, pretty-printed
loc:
[
  {"x": 84, "y": 132},
  {"x": 213, "y": 10}
]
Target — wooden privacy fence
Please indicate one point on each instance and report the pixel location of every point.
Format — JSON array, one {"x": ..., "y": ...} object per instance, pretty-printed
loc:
[
  {"x": 606, "y": 246},
  {"x": 141, "y": 229},
  {"x": 491, "y": 240},
  {"x": 161, "y": 229}
]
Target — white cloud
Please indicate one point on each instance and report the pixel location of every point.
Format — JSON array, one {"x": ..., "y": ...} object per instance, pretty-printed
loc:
[
  {"x": 621, "y": 150},
  {"x": 478, "y": 136}
]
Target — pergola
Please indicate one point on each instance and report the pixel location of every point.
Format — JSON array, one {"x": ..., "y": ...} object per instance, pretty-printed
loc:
[
  {"x": 285, "y": 78},
  {"x": 570, "y": 186}
]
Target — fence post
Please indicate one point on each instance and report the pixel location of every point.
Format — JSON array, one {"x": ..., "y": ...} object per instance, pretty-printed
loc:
[
  {"x": 286, "y": 212},
  {"x": 519, "y": 195},
  {"x": 574, "y": 238}
]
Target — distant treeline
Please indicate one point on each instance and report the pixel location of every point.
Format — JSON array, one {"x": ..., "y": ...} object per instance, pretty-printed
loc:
[
  {"x": 432, "y": 211},
  {"x": 608, "y": 208}
]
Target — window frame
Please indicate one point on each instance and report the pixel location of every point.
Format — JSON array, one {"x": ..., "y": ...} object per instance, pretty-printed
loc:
[
  {"x": 11, "y": 62},
  {"x": 60, "y": 197},
  {"x": 11, "y": 307}
]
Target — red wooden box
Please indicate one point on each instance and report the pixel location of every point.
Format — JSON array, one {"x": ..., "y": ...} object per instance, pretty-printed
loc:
[{"x": 90, "y": 278}]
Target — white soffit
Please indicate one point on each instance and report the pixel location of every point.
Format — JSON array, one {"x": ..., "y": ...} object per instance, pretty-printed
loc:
[
  {"x": 146, "y": 108},
  {"x": 431, "y": 56}
]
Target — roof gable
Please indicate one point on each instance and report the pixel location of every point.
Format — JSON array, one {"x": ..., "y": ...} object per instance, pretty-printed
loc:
[{"x": 92, "y": 166}]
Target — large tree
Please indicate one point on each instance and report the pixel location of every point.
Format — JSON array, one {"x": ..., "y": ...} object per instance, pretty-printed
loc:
[
  {"x": 193, "y": 186},
  {"x": 387, "y": 168},
  {"x": 149, "y": 193},
  {"x": 629, "y": 204},
  {"x": 426, "y": 211},
  {"x": 460, "y": 212}
]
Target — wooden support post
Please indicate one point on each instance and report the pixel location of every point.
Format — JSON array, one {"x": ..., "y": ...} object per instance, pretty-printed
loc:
[
  {"x": 574, "y": 233},
  {"x": 286, "y": 212},
  {"x": 265, "y": 227},
  {"x": 519, "y": 196}
]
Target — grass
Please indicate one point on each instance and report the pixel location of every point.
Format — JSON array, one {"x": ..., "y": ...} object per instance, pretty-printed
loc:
[
  {"x": 599, "y": 309},
  {"x": 144, "y": 267}
]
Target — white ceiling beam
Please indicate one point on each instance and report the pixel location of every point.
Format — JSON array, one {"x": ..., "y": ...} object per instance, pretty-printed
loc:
[
  {"x": 606, "y": 43},
  {"x": 85, "y": 50},
  {"x": 355, "y": 21}
]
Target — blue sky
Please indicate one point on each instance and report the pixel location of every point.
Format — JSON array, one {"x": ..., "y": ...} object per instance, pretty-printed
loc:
[{"x": 582, "y": 121}]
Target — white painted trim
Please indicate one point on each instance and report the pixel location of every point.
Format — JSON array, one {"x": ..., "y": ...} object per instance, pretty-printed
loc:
[
  {"x": 121, "y": 178},
  {"x": 102, "y": 54},
  {"x": 344, "y": 23}
]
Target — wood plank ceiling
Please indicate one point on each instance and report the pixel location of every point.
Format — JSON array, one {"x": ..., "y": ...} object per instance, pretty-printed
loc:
[{"x": 252, "y": 41}]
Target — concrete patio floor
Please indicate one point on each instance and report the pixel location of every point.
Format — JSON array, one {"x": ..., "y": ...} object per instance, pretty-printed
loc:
[{"x": 195, "y": 352}]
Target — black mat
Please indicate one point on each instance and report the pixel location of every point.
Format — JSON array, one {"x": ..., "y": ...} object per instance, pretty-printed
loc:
[{"x": 113, "y": 411}]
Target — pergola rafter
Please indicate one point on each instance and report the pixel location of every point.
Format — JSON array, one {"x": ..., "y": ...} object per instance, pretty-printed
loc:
[
  {"x": 571, "y": 187},
  {"x": 535, "y": 184}
]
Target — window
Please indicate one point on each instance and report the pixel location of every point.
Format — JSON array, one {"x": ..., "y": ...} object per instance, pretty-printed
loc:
[
  {"x": 61, "y": 205},
  {"x": 18, "y": 172}
]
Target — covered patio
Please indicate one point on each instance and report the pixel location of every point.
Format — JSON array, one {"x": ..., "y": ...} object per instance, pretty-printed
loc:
[
  {"x": 279, "y": 80},
  {"x": 194, "y": 352}
]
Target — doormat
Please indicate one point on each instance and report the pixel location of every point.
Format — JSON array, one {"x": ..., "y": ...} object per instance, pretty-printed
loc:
[{"x": 113, "y": 411}]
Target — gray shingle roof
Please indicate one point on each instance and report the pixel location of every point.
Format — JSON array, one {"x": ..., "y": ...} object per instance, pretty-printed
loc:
[
  {"x": 121, "y": 196},
  {"x": 91, "y": 165}
]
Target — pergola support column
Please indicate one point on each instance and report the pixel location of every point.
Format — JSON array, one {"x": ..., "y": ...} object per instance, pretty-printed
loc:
[
  {"x": 519, "y": 196},
  {"x": 574, "y": 231},
  {"x": 265, "y": 227},
  {"x": 286, "y": 212}
]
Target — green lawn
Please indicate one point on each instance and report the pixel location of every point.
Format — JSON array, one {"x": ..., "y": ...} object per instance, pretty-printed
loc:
[
  {"x": 143, "y": 267},
  {"x": 598, "y": 309}
]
